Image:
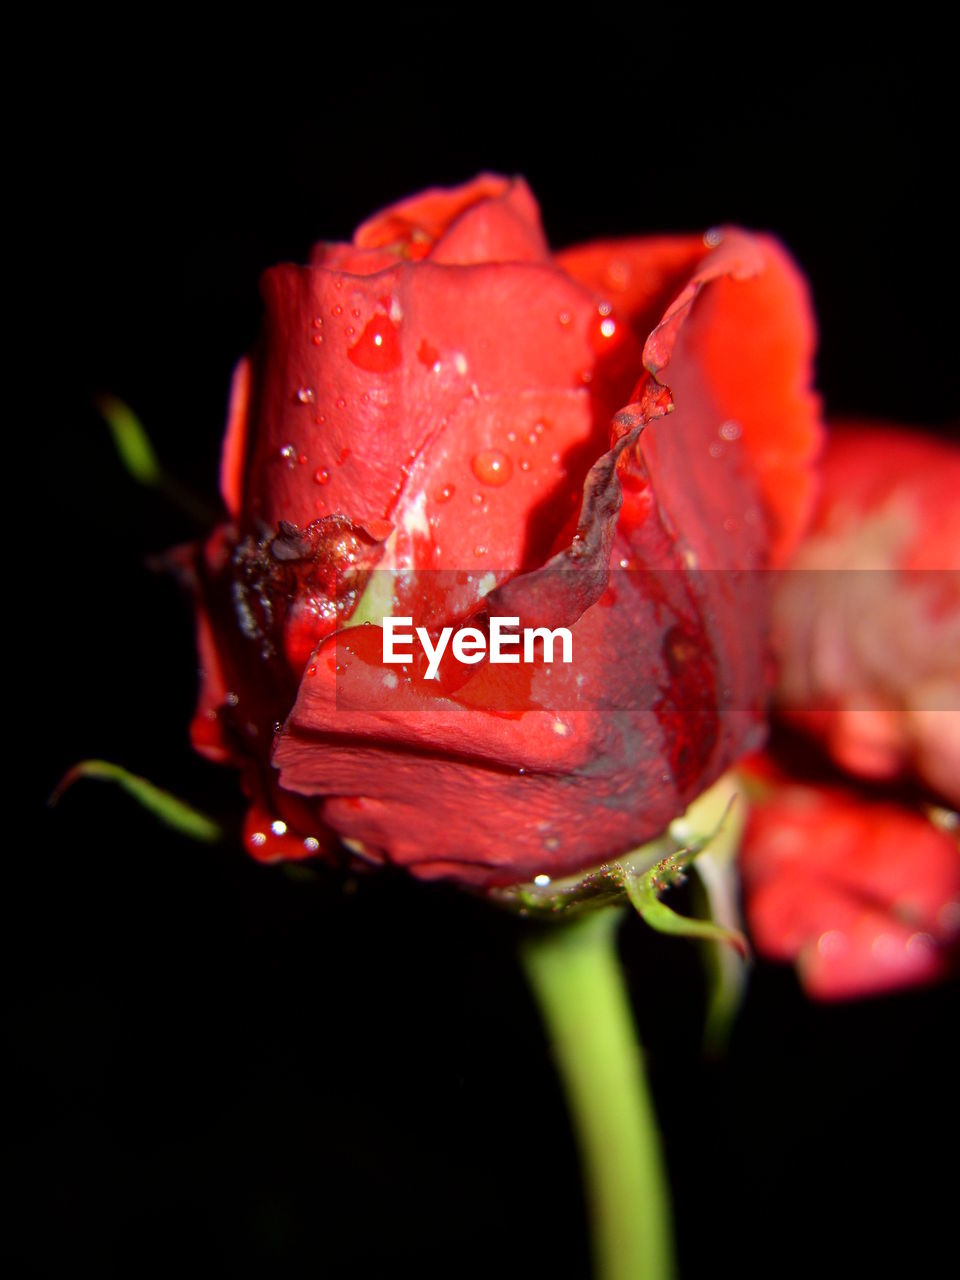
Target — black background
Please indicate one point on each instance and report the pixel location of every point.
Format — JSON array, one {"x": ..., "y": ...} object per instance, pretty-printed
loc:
[{"x": 220, "y": 1065}]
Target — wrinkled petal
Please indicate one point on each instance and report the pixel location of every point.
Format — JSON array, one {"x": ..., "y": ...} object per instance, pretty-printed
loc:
[{"x": 753, "y": 334}]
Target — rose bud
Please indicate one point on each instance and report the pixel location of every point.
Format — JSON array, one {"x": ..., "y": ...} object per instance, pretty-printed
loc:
[
  {"x": 868, "y": 617},
  {"x": 445, "y": 422},
  {"x": 863, "y": 896}
]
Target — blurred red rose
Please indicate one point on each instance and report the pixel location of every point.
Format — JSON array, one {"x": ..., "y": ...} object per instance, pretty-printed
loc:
[
  {"x": 446, "y": 400},
  {"x": 863, "y": 895},
  {"x": 868, "y": 617}
]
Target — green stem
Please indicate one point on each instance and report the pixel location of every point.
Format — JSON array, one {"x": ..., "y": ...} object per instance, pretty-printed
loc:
[{"x": 574, "y": 972}]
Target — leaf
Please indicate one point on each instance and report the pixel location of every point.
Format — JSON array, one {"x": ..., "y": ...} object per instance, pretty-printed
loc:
[{"x": 169, "y": 809}]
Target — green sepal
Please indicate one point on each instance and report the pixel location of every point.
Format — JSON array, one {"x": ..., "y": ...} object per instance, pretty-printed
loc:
[
  {"x": 168, "y": 808},
  {"x": 139, "y": 459},
  {"x": 644, "y": 891}
]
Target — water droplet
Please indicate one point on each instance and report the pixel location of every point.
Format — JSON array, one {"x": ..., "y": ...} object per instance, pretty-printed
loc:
[
  {"x": 321, "y": 476},
  {"x": 320, "y": 419},
  {"x": 278, "y": 827},
  {"x": 338, "y": 310},
  {"x": 377, "y": 350},
  {"x": 731, "y": 430},
  {"x": 427, "y": 353},
  {"x": 289, "y": 455},
  {"x": 605, "y": 308},
  {"x": 355, "y": 312},
  {"x": 541, "y": 880},
  {"x": 524, "y": 464},
  {"x": 478, "y": 499},
  {"x": 445, "y": 494},
  {"x": 318, "y": 339},
  {"x": 713, "y": 237},
  {"x": 479, "y": 551},
  {"x": 318, "y": 322},
  {"x": 341, "y": 403},
  {"x": 311, "y": 844},
  {"x": 350, "y": 331},
  {"x": 564, "y": 317},
  {"x": 306, "y": 395},
  {"x": 492, "y": 467},
  {"x": 716, "y": 449}
]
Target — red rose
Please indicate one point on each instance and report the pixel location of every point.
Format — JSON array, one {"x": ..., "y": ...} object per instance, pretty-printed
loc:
[
  {"x": 444, "y": 399},
  {"x": 863, "y": 895},
  {"x": 869, "y": 620}
]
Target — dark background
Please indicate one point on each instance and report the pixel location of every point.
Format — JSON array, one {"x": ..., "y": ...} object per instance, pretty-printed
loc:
[{"x": 230, "y": 1067}]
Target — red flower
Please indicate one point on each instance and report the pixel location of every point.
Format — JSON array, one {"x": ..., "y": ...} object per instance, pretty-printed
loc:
[
  {"x": 863, "y": 895},
  {"x": 444, "y": 399},
  {"x": 869, "y": 616}
]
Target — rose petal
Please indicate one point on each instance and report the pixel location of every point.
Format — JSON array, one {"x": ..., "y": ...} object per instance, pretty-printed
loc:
[
  {"x": 405, "y": 355},
  {"x": 865, "y": 896},
  {"x": 233, "y": 456},
  {"x": 868, "y": 618},
  {"x": 490, "y": 219},
  {"x": 753, "y": 336}
]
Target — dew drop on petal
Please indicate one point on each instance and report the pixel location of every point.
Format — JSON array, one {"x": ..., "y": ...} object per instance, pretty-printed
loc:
[
  {"x": 445, "y": 493},
  {"x": 492, "y": 467},
  {"x": 321, "y": 476},
  {"x": 377, "y": 350},
  {"x": 306, "y": 395}
]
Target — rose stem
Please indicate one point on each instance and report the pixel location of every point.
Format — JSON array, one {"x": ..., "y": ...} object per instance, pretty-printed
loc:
[{"x": 575, "y": 974}]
